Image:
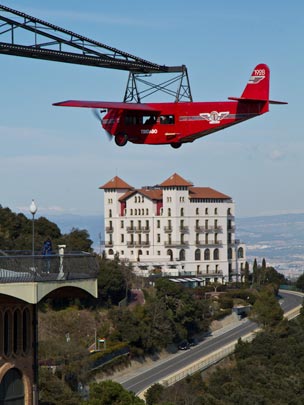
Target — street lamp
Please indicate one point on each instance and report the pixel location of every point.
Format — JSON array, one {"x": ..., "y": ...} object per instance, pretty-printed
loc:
[{"x": 33, "y": 210}]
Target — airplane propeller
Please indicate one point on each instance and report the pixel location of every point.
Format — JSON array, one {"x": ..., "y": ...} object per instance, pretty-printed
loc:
[{"x": 97, "y": 115}]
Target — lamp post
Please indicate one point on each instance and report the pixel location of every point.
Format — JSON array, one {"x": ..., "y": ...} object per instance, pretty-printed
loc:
[{"x": 33, "y": 210}]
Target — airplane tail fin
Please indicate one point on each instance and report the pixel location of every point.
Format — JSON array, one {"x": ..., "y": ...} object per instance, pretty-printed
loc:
[{"x": 257, "y": 88}]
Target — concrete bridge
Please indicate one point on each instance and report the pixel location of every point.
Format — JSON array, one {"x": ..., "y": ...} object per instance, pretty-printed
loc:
[{"x": 25, "y": 280}]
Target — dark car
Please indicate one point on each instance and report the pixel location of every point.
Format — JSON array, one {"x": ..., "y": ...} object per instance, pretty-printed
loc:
[
  {"x": 193, "y": 342},
  {"x": 184, "y": 345}
]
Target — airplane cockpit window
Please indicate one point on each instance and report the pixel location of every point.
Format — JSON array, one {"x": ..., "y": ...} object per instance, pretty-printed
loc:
[{"x": 167, "y": 119}]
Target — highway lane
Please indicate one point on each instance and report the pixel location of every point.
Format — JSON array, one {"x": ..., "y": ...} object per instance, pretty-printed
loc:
[{"x": 182, "y": 359}]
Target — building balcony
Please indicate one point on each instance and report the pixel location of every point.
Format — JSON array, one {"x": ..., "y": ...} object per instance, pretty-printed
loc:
[
  {"x": 130, "y": 229},
  {"x": 142, "y": 244},
  {"x": 184, "y": 229},
  {"x": 200, "y": 229},
  {"x": 212, "y": 273},
  {"x": 231, "y": 229},
  {"x": 235, "y": 242},
  {"x": 168, "y": 229},
  {"x": 108, "y": 244},
  {"x": 139, "y": 229},
  {"x": 176, "y": 244},
  {"x": 208, "y": 229},
  {"x": 130, "y": 244},
  {"x": 210, "y": 243},
  {"x": 109, "y": 229}
]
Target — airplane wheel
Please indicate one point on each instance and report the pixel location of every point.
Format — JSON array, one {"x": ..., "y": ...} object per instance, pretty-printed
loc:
[
  {"x": 121, "y": 139},
  {"x": 176, "y": 145}
]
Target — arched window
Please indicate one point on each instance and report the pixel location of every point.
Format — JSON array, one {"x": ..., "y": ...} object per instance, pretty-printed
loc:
[
  {"x": 17, "y": 331},
  {"x": 135, "y": 199},
  {"x": 170, "y": 254},
  {"x": 7, "y": 331},
  {"x": 110, "y": 213},
  {"x": 206, "y": 211},
  {"x": 229, "y": 211},
  {"x": 240, "y": 253},
  {"x": 216, "y": 254},
  {"x": 197, "y": 254},
  {"x": 182, "y": 212},
  {"x": 135, "y": 211},
  {"x": 207, "y": 254},
  {"x": 111, "y": 252},
  {"x": 197, "y": 211},
  {"x": 131, "y": 211},
  {"x": 26, "y": 330},
  {"x": 12, "y": 388},
  {"x": 169, "y": 212},
  {"x": 229, "y": 254},
  {"x": 215, "y": 211},
  {"x": 182, "y": 254}
]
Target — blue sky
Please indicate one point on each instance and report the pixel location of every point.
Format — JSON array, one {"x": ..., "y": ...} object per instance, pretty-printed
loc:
[{"x": 60, "y": 156}]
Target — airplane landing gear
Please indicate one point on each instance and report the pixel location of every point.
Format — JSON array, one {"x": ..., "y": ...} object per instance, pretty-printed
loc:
[
  {"x": 176, "y": 145},
  {"x": 121, "y": 139}
]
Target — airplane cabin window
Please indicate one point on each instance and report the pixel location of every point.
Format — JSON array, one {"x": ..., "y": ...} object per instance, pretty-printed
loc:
[
  {"x": 149, "y": 119},
  {"x": 132, "y": 120},
  {"x": 167, "y": 119}
]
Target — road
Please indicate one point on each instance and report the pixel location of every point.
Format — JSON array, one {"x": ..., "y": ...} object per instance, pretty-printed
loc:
[{"x": 182, "y": 359}]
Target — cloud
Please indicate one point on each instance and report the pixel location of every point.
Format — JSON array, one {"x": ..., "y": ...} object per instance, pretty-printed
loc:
[
  {"x": 45, "y": 210},
  {"x": 276, "y": 154}
]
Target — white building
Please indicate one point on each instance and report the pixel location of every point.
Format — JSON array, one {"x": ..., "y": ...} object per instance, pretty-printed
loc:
[{"x": 174, "y": 229}]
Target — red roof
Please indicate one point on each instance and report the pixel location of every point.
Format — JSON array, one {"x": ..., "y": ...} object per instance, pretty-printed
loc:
[
  {"x": 207, "y": 193},
  {"x": 176, "y": 180},
  {"x": 116, "y": 183}
]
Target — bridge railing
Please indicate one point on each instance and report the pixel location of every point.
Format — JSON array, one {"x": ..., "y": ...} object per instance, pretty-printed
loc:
[{"x": 24, "y": 267}]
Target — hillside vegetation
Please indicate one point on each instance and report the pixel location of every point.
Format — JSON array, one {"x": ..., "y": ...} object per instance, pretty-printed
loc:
[
  {"x": 16, "y": 234},
  {"x": 268, "y": 371}
]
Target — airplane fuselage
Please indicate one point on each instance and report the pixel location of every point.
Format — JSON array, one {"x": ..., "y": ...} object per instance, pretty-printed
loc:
[{"x": 176, "y": 123}]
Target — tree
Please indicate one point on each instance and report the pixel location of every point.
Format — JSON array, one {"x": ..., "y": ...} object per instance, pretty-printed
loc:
[
  {"x": 111, "y": 393},
  {"x": 53, "y": 391},
  {"x": 246, "y": 273},
  {"x": 153, "y": 395},
  {"x": 77, "y": 240},
  {"x": 112, "y": 286},
  {"x": 266, "y": 309},
  {"x": 300, "y": 282}
]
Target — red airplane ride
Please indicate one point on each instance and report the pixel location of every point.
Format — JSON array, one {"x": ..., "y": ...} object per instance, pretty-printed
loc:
[{"x": 180, "y": 122}]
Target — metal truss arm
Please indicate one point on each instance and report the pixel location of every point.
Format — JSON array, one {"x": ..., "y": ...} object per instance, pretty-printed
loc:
[{"x": 50, "y": 42}]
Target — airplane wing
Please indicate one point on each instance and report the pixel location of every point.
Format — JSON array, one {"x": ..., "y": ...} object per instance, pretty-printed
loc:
[{"x": 109, "y": 105}]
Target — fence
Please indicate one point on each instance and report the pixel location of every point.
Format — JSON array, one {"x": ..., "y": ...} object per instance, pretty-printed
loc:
[{"x": 28, "y": 268}]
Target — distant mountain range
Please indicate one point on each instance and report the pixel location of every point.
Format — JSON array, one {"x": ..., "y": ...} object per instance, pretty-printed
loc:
[{"x": 277, "y": 238}]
